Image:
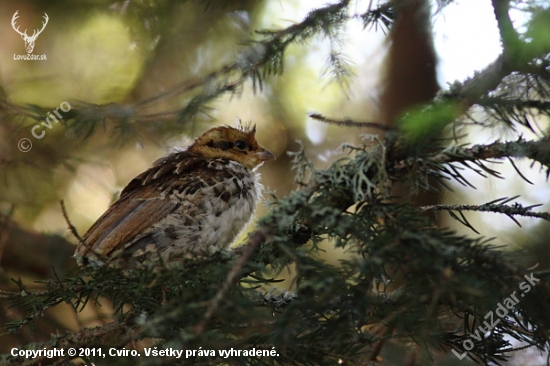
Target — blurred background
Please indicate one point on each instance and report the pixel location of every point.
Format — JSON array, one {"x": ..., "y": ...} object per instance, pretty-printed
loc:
[{"x": 129, "y": 68}]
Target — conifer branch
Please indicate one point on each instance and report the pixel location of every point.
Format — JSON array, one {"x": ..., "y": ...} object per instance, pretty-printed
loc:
[
  {"x": 382, "y": 17},
  {"x": 534, "y": 150},
  {"x": 496, "y": 207},
  {"x": 257, "y": 60}
]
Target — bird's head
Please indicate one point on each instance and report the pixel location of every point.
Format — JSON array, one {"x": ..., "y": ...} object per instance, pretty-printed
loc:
[{"x": 237, "y": 144}]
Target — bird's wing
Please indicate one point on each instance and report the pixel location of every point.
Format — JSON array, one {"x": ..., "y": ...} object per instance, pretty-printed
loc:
[
  {"x": 142, "y": 204},
  {"x": 125, "y": 220}
]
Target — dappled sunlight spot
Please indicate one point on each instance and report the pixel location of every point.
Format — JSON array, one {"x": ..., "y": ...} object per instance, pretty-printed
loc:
[
  {"x": 50, "y": 220},
  {"x": 311, "y": 84},
  {"x": 281, "y": 14},
  {"x": 89, "y": 195},
  {"x": 100, "y": 54},
  {"x": 302, "y": 91},
  {"x": 459, "y": 55},
  {"x": 95, "y": 60},
  {"x": 315, "y": 131}
]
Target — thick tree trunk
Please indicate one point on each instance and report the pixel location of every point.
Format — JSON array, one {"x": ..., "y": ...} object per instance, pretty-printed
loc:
[{"x": 410, "y": 70}]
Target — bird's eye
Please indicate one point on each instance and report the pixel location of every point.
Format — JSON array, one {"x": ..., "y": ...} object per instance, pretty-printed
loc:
[{"x": 241, "y": 145}]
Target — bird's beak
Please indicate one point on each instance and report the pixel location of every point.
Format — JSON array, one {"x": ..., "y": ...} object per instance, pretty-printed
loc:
[{"x": 265, "y": 155}]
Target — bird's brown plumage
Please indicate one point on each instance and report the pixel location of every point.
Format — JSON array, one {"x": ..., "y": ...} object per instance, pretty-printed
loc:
[{"x": 190, "y": 202}]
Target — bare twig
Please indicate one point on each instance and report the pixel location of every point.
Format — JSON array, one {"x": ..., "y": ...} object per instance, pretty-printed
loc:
[
  {"x": 79, "y": 238},
  {"x": 71, "y": 226},
  {"x": 348, "y": 122}
]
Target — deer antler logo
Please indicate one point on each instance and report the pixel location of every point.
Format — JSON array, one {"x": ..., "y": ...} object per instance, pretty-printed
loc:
[{"x": 29, "y": 40}]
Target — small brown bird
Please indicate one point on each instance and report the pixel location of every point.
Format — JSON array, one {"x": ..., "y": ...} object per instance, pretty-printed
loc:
[{"x": 191, "y": 202}]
